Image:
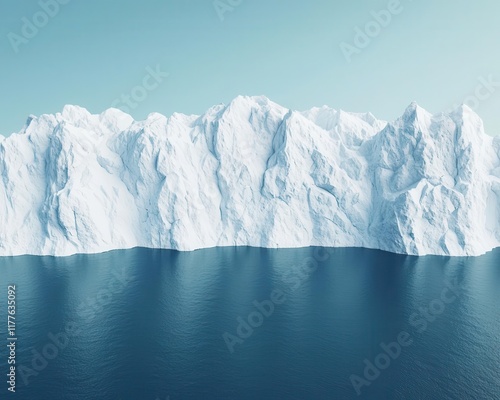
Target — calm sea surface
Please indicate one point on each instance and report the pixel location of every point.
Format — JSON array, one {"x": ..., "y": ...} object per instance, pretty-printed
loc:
[{"x": 246, "y": 323}]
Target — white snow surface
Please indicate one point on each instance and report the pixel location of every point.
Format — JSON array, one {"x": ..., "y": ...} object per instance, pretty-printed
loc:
[{"x": 251, "y": 173}]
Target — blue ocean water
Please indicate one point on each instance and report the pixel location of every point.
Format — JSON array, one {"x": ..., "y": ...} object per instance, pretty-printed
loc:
[{"x": 248, "y": 323}]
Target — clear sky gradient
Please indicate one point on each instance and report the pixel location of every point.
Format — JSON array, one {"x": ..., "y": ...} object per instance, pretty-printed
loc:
[{"x": 89, "y": 53}]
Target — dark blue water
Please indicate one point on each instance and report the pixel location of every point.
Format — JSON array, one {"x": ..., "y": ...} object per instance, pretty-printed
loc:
[{"x": 151, "y": 324}]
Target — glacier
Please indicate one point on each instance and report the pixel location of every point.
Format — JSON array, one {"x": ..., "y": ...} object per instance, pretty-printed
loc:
[{"x": 250, "y": 173}]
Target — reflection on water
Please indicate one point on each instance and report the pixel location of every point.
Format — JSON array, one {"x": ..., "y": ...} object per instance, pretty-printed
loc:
[{"x": 147, "y": 324}]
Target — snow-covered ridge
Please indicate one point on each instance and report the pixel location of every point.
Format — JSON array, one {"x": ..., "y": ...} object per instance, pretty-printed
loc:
[{"x": 250, "y": 173}]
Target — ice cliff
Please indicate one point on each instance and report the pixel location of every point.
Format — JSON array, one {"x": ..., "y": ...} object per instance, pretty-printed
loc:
[{"x": 250, "y": 173}]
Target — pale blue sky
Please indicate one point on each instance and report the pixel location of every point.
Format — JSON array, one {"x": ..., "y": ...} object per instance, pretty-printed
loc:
[{"x": 93, "y": 51}]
